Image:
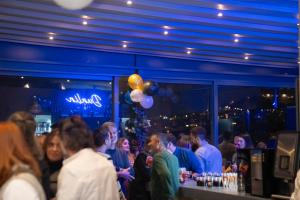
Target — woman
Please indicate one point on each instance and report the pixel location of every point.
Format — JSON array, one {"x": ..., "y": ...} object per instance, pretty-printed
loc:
[
  {"x": 53, "y": 157},
  {"x": 124, "y": 145},
  {"x": 18, "y": 167},
  {"x": 26, "y": 123}
]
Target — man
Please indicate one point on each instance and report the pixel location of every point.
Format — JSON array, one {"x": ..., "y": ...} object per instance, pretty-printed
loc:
[
  {"x": 186, "y": 158},
  {"x": 119, "y": 157},
  {"x": 209, "y": 155},
  {"x": 165, "y": 170},
  {"x": 85, "y": 174}
]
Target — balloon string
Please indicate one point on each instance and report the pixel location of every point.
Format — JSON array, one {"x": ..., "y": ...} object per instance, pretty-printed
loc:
[{"x": 136, "y": 71}]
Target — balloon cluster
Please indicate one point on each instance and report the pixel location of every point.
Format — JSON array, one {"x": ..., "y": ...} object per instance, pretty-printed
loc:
[{"x": 142, "y": 92}]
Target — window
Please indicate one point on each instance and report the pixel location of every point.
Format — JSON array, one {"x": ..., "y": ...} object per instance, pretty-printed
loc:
[
  {"x": 52, "y": 99},
  {"x": 259, "y": 111}
]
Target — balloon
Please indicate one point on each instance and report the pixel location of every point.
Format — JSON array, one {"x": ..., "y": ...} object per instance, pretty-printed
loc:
[
  {"x": 151, "y": 88},
  {"x": 147, "y": 102},
  {"x": 136, "y": 95},
  {"x": 135, "y": 81},
  {"x": 73, "y": 4}
]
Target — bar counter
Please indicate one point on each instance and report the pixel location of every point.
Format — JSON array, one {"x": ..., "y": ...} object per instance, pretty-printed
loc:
[{"x": 190, "y": 191}]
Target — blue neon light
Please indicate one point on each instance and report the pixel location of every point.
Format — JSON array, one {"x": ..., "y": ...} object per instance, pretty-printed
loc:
[{"x": 93, "y": 100}]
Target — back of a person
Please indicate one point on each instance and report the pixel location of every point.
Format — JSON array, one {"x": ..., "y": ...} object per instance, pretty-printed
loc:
[
  {"x": 187, "y": 159},
  {"x": 91, "y": 175},
  {"x": 227, "y": 150},
  {"x": 162, "y": 187},
  {"x": 27, "y": 186},
  {"x": 212, "y": 158}
]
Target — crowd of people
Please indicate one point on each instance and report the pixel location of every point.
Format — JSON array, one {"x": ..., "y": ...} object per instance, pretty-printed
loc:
[{"x": 73, "y": 162}]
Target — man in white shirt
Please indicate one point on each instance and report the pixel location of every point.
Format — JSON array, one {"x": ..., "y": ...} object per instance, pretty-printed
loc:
[
  {"x": 85, "y": 175},
  {"x": 209, "y": 156}
]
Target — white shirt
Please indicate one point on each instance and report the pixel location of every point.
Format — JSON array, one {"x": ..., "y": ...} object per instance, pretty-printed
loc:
[
  {"x": 296, "y": 193},
  {"x": 87, "y": 176},
  {"x": 210, "y": 157},
  {"x": 20, "y": 189}
]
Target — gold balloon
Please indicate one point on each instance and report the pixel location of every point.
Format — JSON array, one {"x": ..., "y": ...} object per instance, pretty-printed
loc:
[{"x": 135, "y": 81}]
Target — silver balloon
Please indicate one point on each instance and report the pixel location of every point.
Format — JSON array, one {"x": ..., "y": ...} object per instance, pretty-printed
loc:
[
  {"x": 137, "y": 95},
  {"x": 147, "y": 102}
]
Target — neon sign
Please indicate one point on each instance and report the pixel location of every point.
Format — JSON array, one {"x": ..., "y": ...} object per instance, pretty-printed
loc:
[{"x": 93, "y": 100}]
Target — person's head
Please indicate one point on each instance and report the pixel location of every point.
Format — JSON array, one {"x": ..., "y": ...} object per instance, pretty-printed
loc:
[
  {"x": 184, "y": 141},
  {"x": 198, "y": 135},
  {"x": 52, "y": 147},
  {"x": 157, "y": 142},
  {"x": 26, "y": 123},
  {"x": 14, "y": 151},
  {"x": 76, "y": 135},
  {"x": 239, "y": 142},
  {"x": 123, "y": 144},
  {"x": 101, "y": 138},
  {"x": 112, "y": 130},
  {"x": 171, "y": 142}
]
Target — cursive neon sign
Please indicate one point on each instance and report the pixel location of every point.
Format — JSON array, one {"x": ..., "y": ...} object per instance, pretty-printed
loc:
[{"x": 93, "y": 100}]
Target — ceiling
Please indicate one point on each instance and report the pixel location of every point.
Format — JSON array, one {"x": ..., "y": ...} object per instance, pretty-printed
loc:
[{"x": 267, "y": 30}]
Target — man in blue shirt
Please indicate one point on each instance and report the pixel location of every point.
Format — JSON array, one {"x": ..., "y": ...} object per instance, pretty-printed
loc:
[
  {"x": 208, "y": 154},
  {"x": 186, "y": 158}
]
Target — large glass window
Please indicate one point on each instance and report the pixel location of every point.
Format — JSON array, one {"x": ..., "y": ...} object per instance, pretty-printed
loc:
[
  {"x": 258, "y": 111},
  {"x": 51, "y": 99},
  {"x": 176, "y": 108}
]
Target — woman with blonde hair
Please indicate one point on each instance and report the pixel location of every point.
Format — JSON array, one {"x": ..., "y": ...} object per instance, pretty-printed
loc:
[{"x": 18, "y": 168}]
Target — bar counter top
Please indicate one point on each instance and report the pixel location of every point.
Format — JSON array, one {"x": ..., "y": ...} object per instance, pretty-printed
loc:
[{"x": 190, "y": 191}]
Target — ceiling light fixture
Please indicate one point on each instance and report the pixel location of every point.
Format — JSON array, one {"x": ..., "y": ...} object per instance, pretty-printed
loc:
[
  {"x": 84, "y": 22},
  {"x": 129, "y": 2},
  {"x": 220, "y": 7},
  {"x": 246, "y": 57},
  {"x": 51, "y": 38},
  {"x": 220, "y": 14},
  {"x": 236, "y": 40},
  {"x": 124, "y": 45},
  {"x": 166, "y": 32}
]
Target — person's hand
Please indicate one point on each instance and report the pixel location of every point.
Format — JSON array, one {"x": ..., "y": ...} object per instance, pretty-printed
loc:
[
  {"x": 124, "y": 173},
  {"x": 149, "y": 161}
]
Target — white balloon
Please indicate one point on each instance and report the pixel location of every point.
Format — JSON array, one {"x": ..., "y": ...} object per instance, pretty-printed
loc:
[
  {"x": 73, "y": 4},
  {"x": 137, "y": 95},
  {"x": 147, "y": 102}
]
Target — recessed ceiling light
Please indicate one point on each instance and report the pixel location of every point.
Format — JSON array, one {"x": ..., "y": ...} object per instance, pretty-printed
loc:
[
  {"x": 246, "y": 57},
  {"x": 22, "y": 77},
  {"x": 124, "y": 45},
  {"x": 166, "y": 27},
  {"x": 85, "y": 17},
  {"x": 84, "y": 22},
  {"x": 298, "y": 62},
  {"x": 166, "y": 32},
  {"x": 51, "y": 38},
  {"x": 236, "y": 40},
  {"x": 188, "y": 51},
  {"x": 220, "y": 14},
  {"x": 68, "y": 81},
  {"x": 298, "y": 24},
  {"x": 220, "y": 6},
  {"x": 129, "y": 2}
]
